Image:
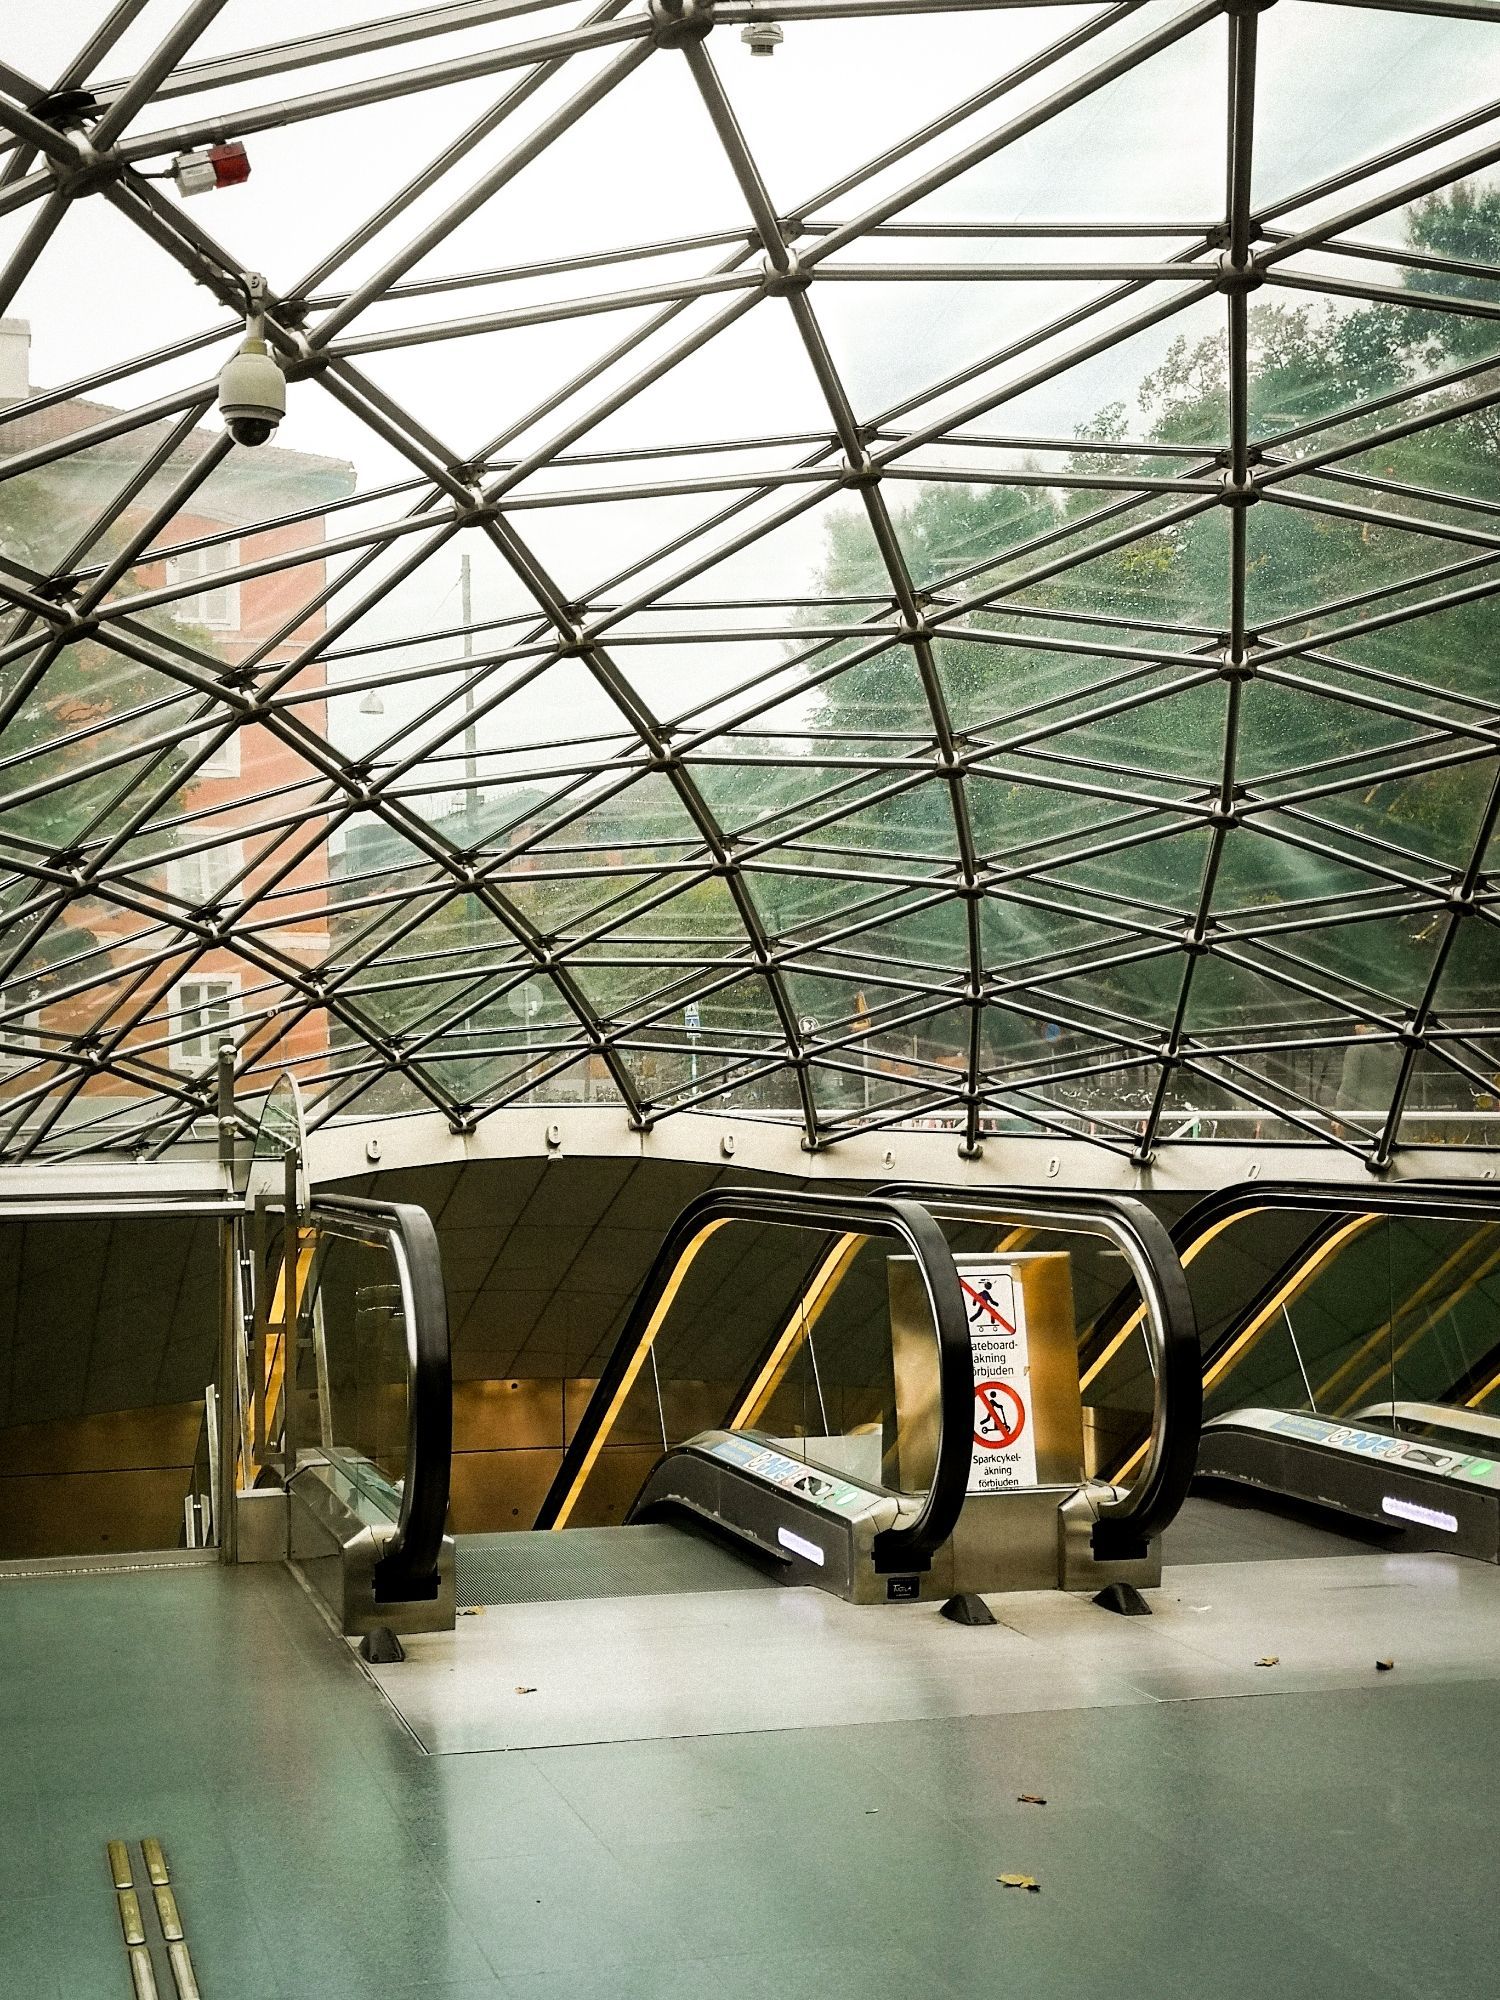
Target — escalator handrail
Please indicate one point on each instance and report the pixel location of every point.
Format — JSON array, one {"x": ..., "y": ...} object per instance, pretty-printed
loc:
[
  {"x": 407, "y": 1571},
  {"x": 1440, "y": 1200},
  {"x": 1125, "y": 1525},
  {"x": 911, "y": 1545}
]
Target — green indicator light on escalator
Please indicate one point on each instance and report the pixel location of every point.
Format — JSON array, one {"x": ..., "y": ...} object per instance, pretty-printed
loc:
[{"x": 1480, "y": 1467}]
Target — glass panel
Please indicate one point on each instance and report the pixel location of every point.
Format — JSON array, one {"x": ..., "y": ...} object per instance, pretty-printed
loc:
[
  {"x": 109, "y": 1330},
  {"x": 353, "y": 1371},
  {"x": 552, "y": 629},
  {"x": 783, "y": 1331}
]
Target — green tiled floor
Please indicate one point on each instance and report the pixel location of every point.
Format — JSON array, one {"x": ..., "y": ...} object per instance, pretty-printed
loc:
[{"x": 1321, "y": 1844}]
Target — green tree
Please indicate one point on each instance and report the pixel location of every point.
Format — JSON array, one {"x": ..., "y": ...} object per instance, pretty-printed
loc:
[{"x": 1307, "y": 363}]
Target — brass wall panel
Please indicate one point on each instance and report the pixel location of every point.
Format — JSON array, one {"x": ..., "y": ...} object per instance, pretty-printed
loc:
[
  {"x": 1046, "y": 1281},
  {"x": 691, "y": 1407},
  {"x": 92, "y": 1513},
  {"x": 114, "y": 1441},
  {"x": 507, "y": 1415},
  {"x": 618, "y": 1475},
  {"x": 497, "y": 1490}
]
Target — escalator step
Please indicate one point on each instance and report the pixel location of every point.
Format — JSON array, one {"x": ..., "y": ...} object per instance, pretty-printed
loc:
[{"x": 652, "y": 1560}]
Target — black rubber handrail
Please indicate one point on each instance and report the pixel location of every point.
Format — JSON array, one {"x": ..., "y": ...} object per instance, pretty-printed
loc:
[
  {"x": 408, "y": 1570},
  {"x": 1445, "y": 1201},
  {"x": 1125, "y": 1526},
  {"x": 911, "y": 1546}
]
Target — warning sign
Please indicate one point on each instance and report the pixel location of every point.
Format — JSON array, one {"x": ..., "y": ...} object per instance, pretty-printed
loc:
[
  {"x": 999, "y": 1415},
  {"x": 1004, "y": 1444}
]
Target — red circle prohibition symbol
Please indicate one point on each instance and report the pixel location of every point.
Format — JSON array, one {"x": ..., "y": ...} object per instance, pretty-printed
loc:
[{"x": 998, "y": 1403}]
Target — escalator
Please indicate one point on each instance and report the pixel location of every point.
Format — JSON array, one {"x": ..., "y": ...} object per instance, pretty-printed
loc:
[
  {"x": 1351, "y": 1357},
  {"x": 807, "y": 1389},
  {"x": 797, "y": 1380}
]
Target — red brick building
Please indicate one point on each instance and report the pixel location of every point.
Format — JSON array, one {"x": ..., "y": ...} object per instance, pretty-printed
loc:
[{"x": 114, "y": 953}]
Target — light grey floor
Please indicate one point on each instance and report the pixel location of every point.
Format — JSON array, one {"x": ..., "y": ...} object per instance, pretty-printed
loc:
[
  {"x": 611, "y": 1670},
  {"x": 1317, "y": 1842}
]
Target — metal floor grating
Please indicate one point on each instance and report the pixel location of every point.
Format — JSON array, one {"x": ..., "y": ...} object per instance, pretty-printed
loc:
[{"x": 651, "y": 1560}]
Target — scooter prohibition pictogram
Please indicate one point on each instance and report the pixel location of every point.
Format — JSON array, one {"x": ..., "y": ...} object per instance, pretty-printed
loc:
[{"x": 999, "y": 1415}]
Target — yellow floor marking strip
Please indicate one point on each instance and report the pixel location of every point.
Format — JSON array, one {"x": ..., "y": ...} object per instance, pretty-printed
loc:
[
  {"x": 143, "y": 1973},
  {"x": 167, "y": 1932},
  {"x": 130, "y": 1916},
  {"x": 183, "y": 1973}
]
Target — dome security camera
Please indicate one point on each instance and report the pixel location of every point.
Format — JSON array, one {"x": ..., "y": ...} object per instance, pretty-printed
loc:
[{"x": 252, "y": 392}]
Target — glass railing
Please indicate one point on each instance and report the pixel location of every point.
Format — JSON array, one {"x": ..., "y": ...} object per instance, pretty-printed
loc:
[
  {"x": 349, "y": 1371},
  {"x": 832, "y": 1325},
  {"x": 1383, "y": 1309},
  {"x": 818, "y": 1324}
]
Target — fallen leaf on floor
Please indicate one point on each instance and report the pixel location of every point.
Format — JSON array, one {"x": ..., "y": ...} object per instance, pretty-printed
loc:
[
  {"x": 1020, "y": 1882},
  {"x": 1030, "y": 1799},
  {"x": 525, "y": 1690},
  {"x": 1269, "y": 1660},
  {"x": 1384, "y": 1666},
  {"x": 471, "y": 1610}
]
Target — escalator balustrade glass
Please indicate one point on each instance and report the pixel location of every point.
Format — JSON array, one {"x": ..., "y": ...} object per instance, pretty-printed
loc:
[{"x": 781, "y": 1331}]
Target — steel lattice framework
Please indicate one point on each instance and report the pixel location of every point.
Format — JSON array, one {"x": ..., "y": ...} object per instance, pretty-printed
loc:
[{"x": 974, "y": 607}]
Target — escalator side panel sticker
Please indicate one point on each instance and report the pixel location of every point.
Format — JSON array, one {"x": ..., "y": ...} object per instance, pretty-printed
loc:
[
  {"x": 807, "y": 1482},
  {"x": 1389, "y": 1450}
]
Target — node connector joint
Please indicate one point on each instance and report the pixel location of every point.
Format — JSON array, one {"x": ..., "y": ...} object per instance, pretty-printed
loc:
[
  {"x": 676, "y": 23},
  {"x": 1233, "y": 278},
  {"x": 862, "y": 471},
  {"x": 785, "y": 277},
  {"x": 1238, "y": 492}
]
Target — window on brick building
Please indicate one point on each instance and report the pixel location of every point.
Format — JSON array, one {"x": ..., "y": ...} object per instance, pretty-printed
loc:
[
  {"x": 204, "y": 1011},
  {"x": 200, "y": 879},
  {"x": 217, "y": 609},
  {"x": 222, "y": 762}
]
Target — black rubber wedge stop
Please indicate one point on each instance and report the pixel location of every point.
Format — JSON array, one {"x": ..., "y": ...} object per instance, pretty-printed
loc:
[
  {"x": 968, "y": 1608},
  {"x": 1124, "y": 1598},
  {"x": 381, "y": 1647}
]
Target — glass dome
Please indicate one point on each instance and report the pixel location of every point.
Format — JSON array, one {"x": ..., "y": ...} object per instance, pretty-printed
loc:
[{"x": 936, "y": 568}]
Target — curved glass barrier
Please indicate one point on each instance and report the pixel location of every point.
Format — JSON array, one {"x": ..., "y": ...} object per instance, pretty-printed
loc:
[
  {"x": 1382, "y": 1311},
  {"x": 281, "y": 1130},
  {"x": 350, "y": 1373},
  {"x": 777, "y": 1313}
]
